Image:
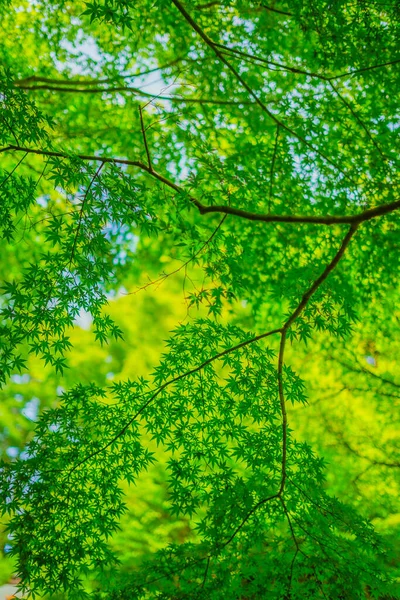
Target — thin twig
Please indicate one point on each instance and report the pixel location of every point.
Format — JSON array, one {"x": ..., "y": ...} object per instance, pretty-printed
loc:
[
  {"x": 275, "y": 10},
  {"x": 296, "y": 70},
  {"x": 272, "y": 170},
  {"x": 330, "y": 267},
  {"x": 342, "y": 440},
  {"x": 358, "y": 119},
  {"x": 296, "y": 543},
  {"x": 157, "y": 392},
  {"x": 247, "y": 517},
  {"x": 11, "y": 173},
  {"x": 185, "y": 264},
  {"x": 10, "y": 129},
  {"x": 366, "y": 371},
  {"x": 145, "y": 140},
  {"x": 81, "y": 214},
  {"x": 281, "y": 66},
  {"x": 205, "y": 573},
  {"x": 363, "y": 69}
]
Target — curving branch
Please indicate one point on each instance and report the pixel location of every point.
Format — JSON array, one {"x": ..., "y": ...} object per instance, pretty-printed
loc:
[
  {"x": 296, "y": 313},
  {"x": 95, "y": 176},
  {"x": 208, "y": 5},
  {"x": 366, "y": 215}
]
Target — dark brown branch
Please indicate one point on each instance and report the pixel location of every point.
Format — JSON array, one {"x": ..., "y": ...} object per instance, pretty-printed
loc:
[
  {"x": 102, "y": 159},
  {"x": 207, "y": 5},
  {"x": 275, "y": 10},
  {"x": 263, "y": 6},
  {"x": 366, "y": 215}
]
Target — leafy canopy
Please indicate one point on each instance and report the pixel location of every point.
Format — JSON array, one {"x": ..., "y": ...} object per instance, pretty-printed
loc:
[{"x": 254, "y": 147}]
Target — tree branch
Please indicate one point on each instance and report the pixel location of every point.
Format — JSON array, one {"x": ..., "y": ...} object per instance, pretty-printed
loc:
[
  {"x": 275, "y": 10},
  {"x": 164, "y": 276},
  {"x": 100, "y": 90},
  {"x": 330, "y": 267},
  {"x": 200, "y": 367},
  {"x": 284, "y": 67},
  {"x": 357, "y": 118},
  {"x": 262, "y": 6},
  {"x": 283, "y": 409},
  {"x": 81, "y": 214},
  {"x": 342, "y": 441},
  {"x": 301, "y": 306},
  {"x": 281, "y": 66},
  {"x": 272, "y": 170},
  {"x": 296, "y": 543},
  {"x": 145, "y": 140},
  {"x": 219, "y": 54},
  {"x": 363, "y": 69},
  {"x": 366, "y": 215},
  {"x": 39, "y": 78}
]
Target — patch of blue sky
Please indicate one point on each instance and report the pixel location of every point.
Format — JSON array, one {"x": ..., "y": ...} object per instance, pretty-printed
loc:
[{"x": 31, "y": 409}]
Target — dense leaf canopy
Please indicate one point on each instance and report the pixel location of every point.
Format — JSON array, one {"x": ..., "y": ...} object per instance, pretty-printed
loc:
[{"x": 240, "y": 161}]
